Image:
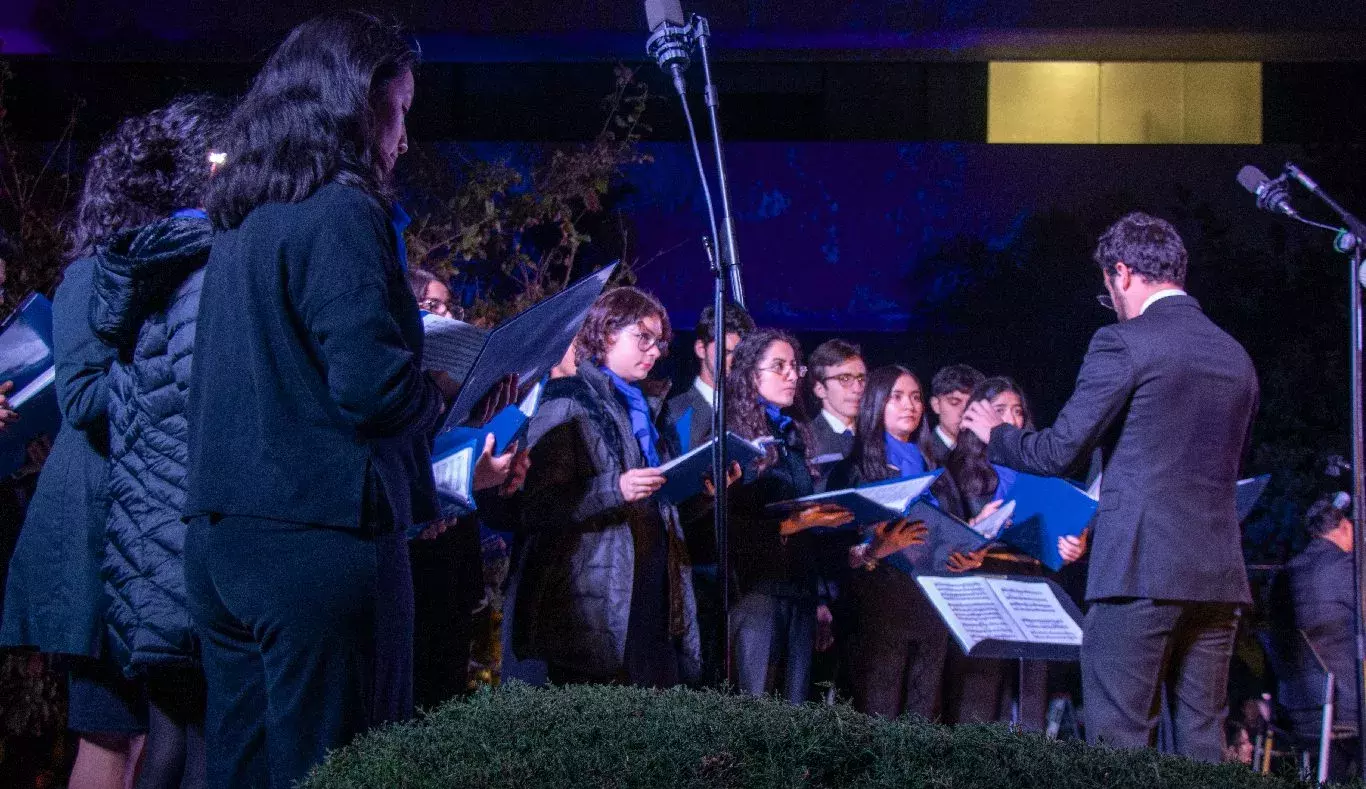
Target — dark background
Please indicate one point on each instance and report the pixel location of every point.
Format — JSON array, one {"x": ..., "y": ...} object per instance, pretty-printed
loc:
[{"x": 868, "y": 201}]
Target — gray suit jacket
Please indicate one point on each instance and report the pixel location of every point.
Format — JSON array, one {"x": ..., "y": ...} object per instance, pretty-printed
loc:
[
  {"x": 690, "y": 412},
  {"x": 1170, "y": 398}
]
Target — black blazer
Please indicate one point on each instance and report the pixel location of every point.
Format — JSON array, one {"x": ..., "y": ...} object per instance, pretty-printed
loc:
[
  {"x": 307, "y": 402},
  {"x": 1170, "y": 398},
  {"x": 826, "y": 443},
  {"x": 699, "y": 423},
  {"x": 1319, "y": 582}
]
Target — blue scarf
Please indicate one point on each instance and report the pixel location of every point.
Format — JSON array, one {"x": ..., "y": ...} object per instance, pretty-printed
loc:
[
  {"x": 775, "y": 416},
  {"x": 641, "y": 424},
  {"x": 189, "y": 213},
  {"x": 1005, "y": 480},
  {"x": 905, "y": 456}
]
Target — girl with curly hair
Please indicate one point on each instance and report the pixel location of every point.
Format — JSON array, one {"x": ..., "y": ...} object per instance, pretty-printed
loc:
[{"x": 148, "y": 167}]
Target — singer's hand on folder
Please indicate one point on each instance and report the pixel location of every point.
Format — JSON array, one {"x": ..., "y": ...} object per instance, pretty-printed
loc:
[
  {"x": 6, "y": 414},
  {"x": 521, "y": 465},
  {"x": 893, "y": 536},
  {"x": 640, "y": 483},
  {"x": 1073, "y": 548},
  {"x": 733, "y": 475},
  {"x": 437, "y": 529},
  {"x": 817, "y": 516},
  {"x": 500, "y": 396},
  {"x": 959, "y": 562},
  {"x": 986, "y": 512},
  {"x": 490, "y": 470}
]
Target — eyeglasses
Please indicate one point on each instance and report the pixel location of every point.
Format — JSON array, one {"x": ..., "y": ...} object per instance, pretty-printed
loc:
[
  {"x": 440, "y": 307},
  {"x": 1106, "y": 301},
  {"x": 847, "y": 379},
  {"x": 782, "y": 367},
  {"x": 645, "y": 341}
]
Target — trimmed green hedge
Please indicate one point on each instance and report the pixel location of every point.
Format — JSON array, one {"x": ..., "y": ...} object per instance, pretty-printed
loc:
[{"x": 621, "y": 738}]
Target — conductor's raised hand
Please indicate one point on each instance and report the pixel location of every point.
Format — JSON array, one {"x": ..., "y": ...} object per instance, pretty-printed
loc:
[
  {"x": 490, "y": 470},
  {"x": 893, "y": 536},
  {"x": 640, "y": 483},
  {"x": 7, "y": 414},
  {"x": 733, "y": 475},
  {"x": 1073, "y": 548},
  {"x": 981, "y": 419},
  {"x": 817, "y": 516}
]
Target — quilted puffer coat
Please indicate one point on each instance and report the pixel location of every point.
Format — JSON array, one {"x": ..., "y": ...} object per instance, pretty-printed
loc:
[{"x": 144, "y": 304}]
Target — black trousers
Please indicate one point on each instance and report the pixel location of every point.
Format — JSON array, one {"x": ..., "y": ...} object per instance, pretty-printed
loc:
[
  {"x": 448, "y": 580},
  {"x": 898, "y": 649},
  {"x": 306, "y": 636},
  {"x": 1132, "y": 647}
]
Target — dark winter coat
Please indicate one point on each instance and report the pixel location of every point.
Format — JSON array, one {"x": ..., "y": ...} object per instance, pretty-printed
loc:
[
  {"x": 54, "y": 599},
  {"x": 146, "y": 300},
  {"x": 574, "y": 598}
]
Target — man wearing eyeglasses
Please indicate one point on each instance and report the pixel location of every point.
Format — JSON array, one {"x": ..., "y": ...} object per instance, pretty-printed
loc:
[
  {"x": 1169, "y": 397},
  {"x": 837, "y": 378}
]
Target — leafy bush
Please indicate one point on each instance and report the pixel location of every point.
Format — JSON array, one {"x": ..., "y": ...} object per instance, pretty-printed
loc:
[{"x": 586, "y": 736}]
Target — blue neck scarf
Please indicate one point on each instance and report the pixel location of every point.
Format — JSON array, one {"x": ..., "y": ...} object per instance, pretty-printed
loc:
[
  {"x": 905, "y": 456},
  {"x": 775, "y": 416},
  {"x": 189, "y": 213},
  {"x": 641, "y": 424},
  {"x": 400, "y": 220},
  {"x": 1005, "y": 480}
]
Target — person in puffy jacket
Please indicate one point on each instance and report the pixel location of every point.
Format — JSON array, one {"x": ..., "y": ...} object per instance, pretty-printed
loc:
[
  {"x": 55, "y": 600},
  {"x": 144, "y": 306}
]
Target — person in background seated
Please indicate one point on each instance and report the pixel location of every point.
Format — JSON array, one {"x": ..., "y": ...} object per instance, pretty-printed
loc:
[
  {"x": 950, "y": 390},
  {"x": 896, "y": 640},
  {"x": 1237, "y": 743},
  {"x": 1320, "y": 604},
  {"x": 605, "y": 593},
  {"x": 838, "y": 376},
  {"x": 690, "y": 412}
]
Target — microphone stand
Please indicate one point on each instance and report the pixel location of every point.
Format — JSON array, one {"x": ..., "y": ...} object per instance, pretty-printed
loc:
[
  {"x": 731, "y": 257},
  {"x": 669, "y": 45},
  {"x": 1352, "y": 242}
]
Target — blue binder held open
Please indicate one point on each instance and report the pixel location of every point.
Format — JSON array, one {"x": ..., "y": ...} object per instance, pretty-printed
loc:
[
  {"x": 26, "y": 358},
  {"x": 1046, "y": 508}
]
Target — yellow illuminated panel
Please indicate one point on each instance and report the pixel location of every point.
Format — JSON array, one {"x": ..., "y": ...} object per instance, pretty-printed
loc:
[
  {"x": 1123, "y": 102},
  {"x": 1226, "y": 103},
  {"x": 1042, "y": 102}
]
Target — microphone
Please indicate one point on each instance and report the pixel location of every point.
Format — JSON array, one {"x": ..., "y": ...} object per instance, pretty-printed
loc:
[
  {"x": 1271, "y": 195},
  {"x": 670, "y": 38}
]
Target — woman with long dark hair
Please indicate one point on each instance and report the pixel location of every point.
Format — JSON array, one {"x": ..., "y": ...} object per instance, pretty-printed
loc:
[
  {"x": 310, "y": 418},
  {"x": 54, "y": 599},
  {"x": 605, "y": 593},
  {"x": 980, "y": 482},
  {"x": 778, "y": 564},
  {"x": 897, "y": 642}
]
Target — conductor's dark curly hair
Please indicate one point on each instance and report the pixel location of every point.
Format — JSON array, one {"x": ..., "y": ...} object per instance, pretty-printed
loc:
[
  {"x": 148, "y": 167},
  {"x": 309, "y": 118}
]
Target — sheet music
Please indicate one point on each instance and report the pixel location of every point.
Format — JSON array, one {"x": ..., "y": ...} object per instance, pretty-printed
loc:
[
  {"x": 453, "y": 475},
  {"x": 1037, "y": 611},
  {"x": 35, "y": 386},
  {"x": 896, "y": 496},
  {"x": 971, "y": 609},
  {"x": 450, "y": 345}
]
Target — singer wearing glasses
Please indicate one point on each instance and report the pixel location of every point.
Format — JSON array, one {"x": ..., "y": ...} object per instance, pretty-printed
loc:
[{"x": 606, "y": 591}]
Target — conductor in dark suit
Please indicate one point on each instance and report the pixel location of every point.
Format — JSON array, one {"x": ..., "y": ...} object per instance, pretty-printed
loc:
[{"x": 1170, "y": 398}]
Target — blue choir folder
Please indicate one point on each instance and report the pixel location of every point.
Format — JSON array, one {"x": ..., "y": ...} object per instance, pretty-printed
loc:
[
  {"x": 1046, "y": 508},
  {"x": 684, "y": 473},
  {"x": 26, "y": 358},
  {"x": 870, "y": 504},
  {"x": 528, "y": 344},
  {"x": 455, "y": 452}
]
